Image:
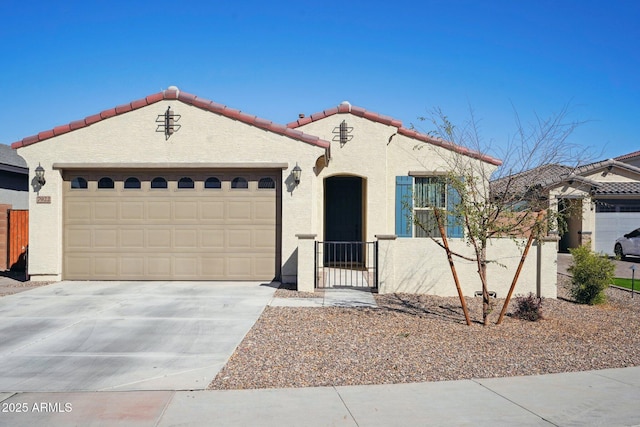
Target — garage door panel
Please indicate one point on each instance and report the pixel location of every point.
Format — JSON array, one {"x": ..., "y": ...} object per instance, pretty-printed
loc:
[
  {"x": 158, "y": 238},
  {"x": 105, "y": 238},
  {"x": 186, "y": 211},
  {"x": 612, "y": 225},
  {"x": 186, "y": 266},
  {"x": 79, "y": 266},
  {"x": 239, "y": 239},
  {"x": 159, "y": 210},
  {"x": 212, "y": 239},
  {"x": 213, "y": 267},
  {"x": 237, "y": 267},
  {"x": 78, "y": 239},
  {"x": 212, "y": 210},
  {"x": 264, "y": 239},
  {"x": 165, "y": 234},
  {"x": 185, "y": 239},
  {"x": 131, "y": 266},
  {"x": 158, "y": 266},
  {"x": 263, "y": 266},
  {"x": 264, "y": 211},
  {"x": 131, "y": 238},
  {"x": 105, "y": 211},
  {"x": 78, "y": 212},
  {"x": 239, "y": 211},
  {"x": 131, "y": 210},
  {"x": 106, "y": 266}
]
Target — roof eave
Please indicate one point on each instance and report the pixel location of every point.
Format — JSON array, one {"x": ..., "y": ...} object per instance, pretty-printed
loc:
[{"x": 187, "y": 98}]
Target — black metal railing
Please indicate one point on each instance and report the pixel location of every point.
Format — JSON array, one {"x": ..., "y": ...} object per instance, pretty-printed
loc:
[{"x": 346, "y": 264}]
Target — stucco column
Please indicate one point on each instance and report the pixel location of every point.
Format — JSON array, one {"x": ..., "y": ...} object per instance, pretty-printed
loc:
[
  {"x": 547, "y": 267},
  {"x": 386, "y": 263},
  {"x": 306, "y": 262}
]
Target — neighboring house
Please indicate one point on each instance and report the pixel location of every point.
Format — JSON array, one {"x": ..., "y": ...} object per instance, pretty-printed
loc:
[
  {"x": 14, "y": 179},
  {"x": 601, "y": 199},
  {"x": 14, "y": 195},
  {"x": 176, "y": 187},
  {"x": 631, "y": 158}
]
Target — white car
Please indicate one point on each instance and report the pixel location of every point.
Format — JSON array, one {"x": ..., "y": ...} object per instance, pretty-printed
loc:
[{"x": 629, "y": 244}]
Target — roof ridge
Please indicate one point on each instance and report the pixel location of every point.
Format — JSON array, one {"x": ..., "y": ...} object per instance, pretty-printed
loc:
[
  {"x": 627, "y": 156},
  {"x": 347, "y": 108},
  {"x": 173, "y": 93}
]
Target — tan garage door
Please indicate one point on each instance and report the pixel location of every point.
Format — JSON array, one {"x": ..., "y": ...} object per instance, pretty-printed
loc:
[{"x": 171, "y": 225}]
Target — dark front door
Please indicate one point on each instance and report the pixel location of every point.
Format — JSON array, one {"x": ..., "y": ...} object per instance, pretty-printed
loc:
[{"x": 343, "y": 218}]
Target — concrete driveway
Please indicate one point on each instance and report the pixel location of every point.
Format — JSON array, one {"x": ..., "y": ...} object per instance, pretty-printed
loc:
[{"x": 96, "y": 336}]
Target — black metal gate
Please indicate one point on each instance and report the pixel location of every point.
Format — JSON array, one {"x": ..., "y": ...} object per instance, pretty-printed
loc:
[{"x": 346, "y": 264}]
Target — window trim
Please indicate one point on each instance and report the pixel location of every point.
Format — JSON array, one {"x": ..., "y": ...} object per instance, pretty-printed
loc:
[
  {"x": 124, "y": 183},
  {"x": 183, "y": 179},
  {"x": 166, "y": 183},
  {"x": 237, "y": 179},
  {"x": 84, "y": 180},
  {"x": 406, "y": 209},
  {"x": 442, "y": 197},
  {"x": 112, "y": 187},
  {"x": 211, "y": 178},
  {"x": 264, "y": 179}
]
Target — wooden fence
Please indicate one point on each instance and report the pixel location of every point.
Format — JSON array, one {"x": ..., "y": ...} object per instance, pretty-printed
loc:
[{"x": 18, "y": 239}]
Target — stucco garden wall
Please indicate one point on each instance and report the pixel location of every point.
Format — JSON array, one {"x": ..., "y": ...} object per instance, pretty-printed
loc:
[{"x": 421, "y": 266}]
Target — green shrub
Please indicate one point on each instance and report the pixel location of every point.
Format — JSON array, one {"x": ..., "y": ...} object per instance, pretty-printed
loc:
[
  {"x": 528, "y": 307},
  {"x": 591, "y": 275}
]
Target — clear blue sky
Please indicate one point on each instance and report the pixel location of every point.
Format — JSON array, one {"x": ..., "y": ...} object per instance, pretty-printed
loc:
[{"x": 64, "y": 60}]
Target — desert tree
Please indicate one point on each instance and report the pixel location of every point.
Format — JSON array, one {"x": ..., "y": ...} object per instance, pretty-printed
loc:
[{"x": 507, "y": 201}]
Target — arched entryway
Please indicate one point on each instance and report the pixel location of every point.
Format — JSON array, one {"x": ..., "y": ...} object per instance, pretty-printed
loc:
[
  {"x": 344, "y": 220},
  {"x": 344, "y": 258},
  {"x": 343, "y": 213}
]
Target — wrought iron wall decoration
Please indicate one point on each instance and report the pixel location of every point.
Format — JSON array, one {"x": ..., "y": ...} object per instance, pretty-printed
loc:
[
  {"x": 168, "y": 123},
  {"x": 343, "y": 133}
]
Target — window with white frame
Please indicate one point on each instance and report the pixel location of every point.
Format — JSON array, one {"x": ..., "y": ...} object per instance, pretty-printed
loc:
[
  {"x": 416, "y": 200},
  {"x": 428, "y": 193}
]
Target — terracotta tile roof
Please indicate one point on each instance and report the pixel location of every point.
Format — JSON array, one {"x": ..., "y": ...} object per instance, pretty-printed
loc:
[
  {"x": 627, "y": 156},
  {"x": 174, "y": 93},
  {"x": 346, "y": 108}
]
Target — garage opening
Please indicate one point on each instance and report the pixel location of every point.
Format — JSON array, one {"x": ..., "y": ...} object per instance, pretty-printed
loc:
[{"x": 172, "y": 224}]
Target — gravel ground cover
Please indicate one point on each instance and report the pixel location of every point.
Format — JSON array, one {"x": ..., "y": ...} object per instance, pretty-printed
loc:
[
  {"x": 288, "y": 290},
  {"x": 13, "y": 287},
  {"x": 416, "y": 338}
]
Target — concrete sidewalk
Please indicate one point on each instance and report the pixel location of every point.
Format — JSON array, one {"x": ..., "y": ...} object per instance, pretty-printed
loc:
[{"x": 609, "y": 397}]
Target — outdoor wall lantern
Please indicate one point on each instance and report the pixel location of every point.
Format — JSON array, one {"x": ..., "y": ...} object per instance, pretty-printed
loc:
[
  {"x": 295, "y": 172},
  {"x": 40, "y": 175}
]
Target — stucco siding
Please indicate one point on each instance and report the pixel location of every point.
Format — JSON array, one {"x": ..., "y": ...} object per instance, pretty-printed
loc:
[
  {"x": 614, "y": 175},
  {"x": 129, "y": 138},
  {"x": 377, "y": 153},
  {"x": 364, "y": 156},
  {"x": 421, "y": 266}
]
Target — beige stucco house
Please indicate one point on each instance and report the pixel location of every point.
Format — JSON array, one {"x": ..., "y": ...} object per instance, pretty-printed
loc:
[
  {"x": 176, "y": 187},
  {"x": 605, "y": 197}
]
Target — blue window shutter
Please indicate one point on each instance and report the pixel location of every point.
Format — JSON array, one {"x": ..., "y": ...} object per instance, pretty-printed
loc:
[
  {"x": 454, "y": 224},
  {"x": 403, "y": 206}
]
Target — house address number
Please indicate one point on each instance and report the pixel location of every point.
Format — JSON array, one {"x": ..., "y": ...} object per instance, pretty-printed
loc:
[{"x": 43, "y": 199}]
